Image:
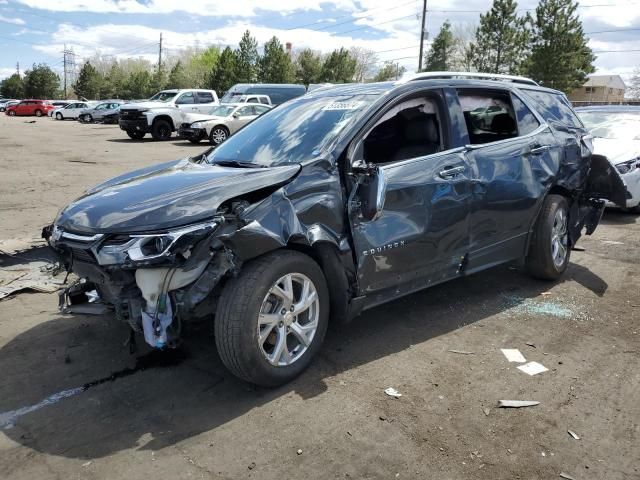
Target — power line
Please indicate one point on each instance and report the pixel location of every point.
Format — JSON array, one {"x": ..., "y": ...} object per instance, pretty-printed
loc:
[{"x": 374, "y": 24}]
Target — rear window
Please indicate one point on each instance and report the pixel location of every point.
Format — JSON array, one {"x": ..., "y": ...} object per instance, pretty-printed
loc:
[
  {"x": 554, "y": 108},
  {"x": 488, "y": 114},
  {"x": 205, "y": 97}
]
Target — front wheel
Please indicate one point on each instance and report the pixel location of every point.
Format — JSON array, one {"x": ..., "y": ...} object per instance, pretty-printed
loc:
[
  {"x": 135, "y": 135},
  {"x": 161, "y": 130},
  {"x": 87, "y": 118},
  {"x": 59, "y": 116},
  {"x": 218, "y": 135},
  {"x": 38, "y": 113},
  {"x": 549, "y": 251},
  {"x": 12, "y": 113},
  {"x": 272, "y": 318}
]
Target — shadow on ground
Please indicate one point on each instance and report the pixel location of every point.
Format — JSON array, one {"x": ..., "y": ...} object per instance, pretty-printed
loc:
[{"x": 172, "y": 396}]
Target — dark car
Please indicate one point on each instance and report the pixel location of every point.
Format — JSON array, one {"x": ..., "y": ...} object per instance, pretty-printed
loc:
[
  {"x": 277, "y": 92},
  {"x": 334, "y": 203}
]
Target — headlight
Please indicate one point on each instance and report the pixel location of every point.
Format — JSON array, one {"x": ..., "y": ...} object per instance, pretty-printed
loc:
[
  {"x": 629, "y": 166},
  {"x": 121, "y": 248},
  {"x": 197, "y": 125}
]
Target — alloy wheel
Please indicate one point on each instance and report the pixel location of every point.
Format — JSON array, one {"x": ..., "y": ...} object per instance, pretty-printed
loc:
[
  {"x": 218, "y": 136},
  {"x": 288, "y": 319},
  {"x": 559, "y": 238}
]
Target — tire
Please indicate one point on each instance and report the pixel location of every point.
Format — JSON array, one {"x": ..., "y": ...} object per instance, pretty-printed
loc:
[
  {"x": 135, "y": 135},
  {"x": 38, "y": 113},
  {"x": 161, "y": 130},
  {"x": 12, "y": 113},
  {"x": 59, "y": 116},
  {"x": 87, "y": 118},
  {"x": 237, "y": 325},
  {"x": 218, "y": 135},
  {"x": 550, "y": 250}
]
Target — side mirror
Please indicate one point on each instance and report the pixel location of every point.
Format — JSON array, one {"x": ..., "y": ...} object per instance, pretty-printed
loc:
[
  {"x": 373, "y": 193},
  {"x": 236, "y": 115}
]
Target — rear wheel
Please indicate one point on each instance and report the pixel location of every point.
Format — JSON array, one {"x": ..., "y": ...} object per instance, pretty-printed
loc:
[
  {"x": 12, "y": 113},
  {"x": 161, "y": 130},
  {"x": 135, "y": 135},
  {"x": 38, "y": 113},
  {"x": 272, "y": 318},
  {"x": 549, "y": 251},
  {"x": 218, "y": 135},
  {"x": 88, "y": 118}
]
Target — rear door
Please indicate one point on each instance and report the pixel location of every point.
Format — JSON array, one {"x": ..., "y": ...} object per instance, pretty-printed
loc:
[
  {"x": 420, "y": 237},
  {"x": 510, "y": 153},
  {"x": 23, "y": 108},
  {"x": 204, "y": 102}
]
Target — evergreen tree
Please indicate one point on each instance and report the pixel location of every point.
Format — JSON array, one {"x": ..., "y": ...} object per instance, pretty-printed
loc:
[
  {"x": 89, "y": 82},
  {"x": 247, "y": 59},
  {"x": 178, "y": 77},
  {"x": 41, "y": 82},
  {"x": 560, "y": 57},
  {"x": 501, "y": 40},
  {"x": 12, "y": 87},
  {"x": 390, "y": 71},
  {"x": 441, "y": 55},
  {"x": 633, "y": 91},
  {"x": 338, "y": 67},
  {"x": 138, "y": 85},
  {"x": 223, "y": 75},
  {"x": 158, "y": 80},
  {"x": 308, "y": 66},
  {"x": 275, "y": 64}
]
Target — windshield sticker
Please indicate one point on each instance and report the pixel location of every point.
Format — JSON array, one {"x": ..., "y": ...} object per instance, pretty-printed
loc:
[{"x": 342, "y": 106}]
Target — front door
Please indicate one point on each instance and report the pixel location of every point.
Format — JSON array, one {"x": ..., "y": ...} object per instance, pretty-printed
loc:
[
  {"x": 241, "y": 117},
  {"x": 420, "y": 236}
]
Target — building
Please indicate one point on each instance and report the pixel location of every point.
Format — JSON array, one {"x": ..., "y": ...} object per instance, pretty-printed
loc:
[{"x": 600, "y": 89}]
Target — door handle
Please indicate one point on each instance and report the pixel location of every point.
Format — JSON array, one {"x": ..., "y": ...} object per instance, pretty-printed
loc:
[
  {"x": 538, "y": 149},
  {"x": 451, "y": 172}
]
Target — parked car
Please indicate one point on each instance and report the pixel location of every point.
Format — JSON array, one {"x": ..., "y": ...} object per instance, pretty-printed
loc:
[
  {"x": 58, "y": 104},
  {"x": 7, "y": 103},
  {"x": 334, "y": 203},
  {"x": 616, "y": 131},
  {"x": 162, "y": 114},
  {"x": 111, "y": 116},
  {"x": 263, "y": 99},
  {"x": 221, "y": 122},
  {"x": 98, "y": 111},
  {"x": 278, "y": 92},
  {"x": 72, "y": 110},
  {"x": 29, "y": 107}
]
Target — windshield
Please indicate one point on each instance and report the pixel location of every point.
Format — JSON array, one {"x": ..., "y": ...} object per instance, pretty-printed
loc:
[
  {"x": 293, "y": 132},
  {"x": 615, "y": 125},
  {"x": 163, "y": 96},
  {"x": 231, "y": 97},
  {"x": 221, "y": 111}
]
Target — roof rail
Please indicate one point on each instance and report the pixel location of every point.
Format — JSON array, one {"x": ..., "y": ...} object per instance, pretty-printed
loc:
[{"x": 482, "y": 76}]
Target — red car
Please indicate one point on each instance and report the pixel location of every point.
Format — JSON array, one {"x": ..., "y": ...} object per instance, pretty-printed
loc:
[{"x": 30, "y": 107}]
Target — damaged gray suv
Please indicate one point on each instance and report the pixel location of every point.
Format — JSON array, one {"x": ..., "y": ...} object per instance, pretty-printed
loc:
[{"x": 333, "y": 203}]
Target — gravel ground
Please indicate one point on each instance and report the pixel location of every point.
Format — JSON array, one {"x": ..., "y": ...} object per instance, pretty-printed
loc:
[{"x": 181, "y": 415}]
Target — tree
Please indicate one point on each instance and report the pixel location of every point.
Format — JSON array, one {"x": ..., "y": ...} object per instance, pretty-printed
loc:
[
  {"x": 365, "y": 63},
  {"x": 89, "y": 82},
  {"x": 275, "y": 64},
  {"x": 137, "y": 85},
  {"x": 501, "y": 39},
  {"x": 308, "y": 66},
  {"x": 338, "y": 67},
  {"x": 12, "y": 87},
  {"x": 41, "y": 82},
  {"x": 178, "y": 77},
  {"x": 560, "y": 57},
  {"x": 390, "y": 71},
  {"x": 441, "y": 55},
  {"x": 247, "y": 59},
  {"x": 223, "y": 75},
  {"x": 633, "y": 92},
  {"x": 158, "y": 80}
]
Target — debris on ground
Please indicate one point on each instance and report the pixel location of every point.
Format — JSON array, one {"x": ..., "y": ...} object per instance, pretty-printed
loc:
[
  {"x": 532, "y": 368},
  {"x": 392, "y": 392},
  {"x": 576, "y": 248},
  {"x": 513, "y": 355},
  {"x": 486, "y": 411},
  {"x": 461, "y": 352},
  {"x": 517, "y": 403},
  {"x": 531, "y": 344},
  {"x": 567, "y": 476},
  {"x": 37, "y": 276},
  {"x": 251, "y": 466},
  {"x": 612, "y": 242},
  {"x": 573, "y": 434},
  {"x": 11, "y": 246},
  {"x": 545, "y": 294},
  {"x": 299, "y": 452}
]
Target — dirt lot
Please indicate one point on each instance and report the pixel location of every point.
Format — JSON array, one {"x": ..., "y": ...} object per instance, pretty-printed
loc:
[{"x": 181, "y": 415}]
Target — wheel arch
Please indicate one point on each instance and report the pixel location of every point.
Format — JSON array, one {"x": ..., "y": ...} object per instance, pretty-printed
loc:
[{"x": 164, "y": 117}]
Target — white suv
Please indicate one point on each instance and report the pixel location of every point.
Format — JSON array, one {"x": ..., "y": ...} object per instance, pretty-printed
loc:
[{"x": 161, "y": 115}]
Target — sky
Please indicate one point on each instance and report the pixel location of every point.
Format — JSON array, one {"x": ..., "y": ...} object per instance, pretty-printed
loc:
[{"x": 36, "y": 31}]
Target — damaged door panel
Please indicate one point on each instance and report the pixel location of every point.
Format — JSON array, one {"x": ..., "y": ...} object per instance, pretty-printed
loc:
[{"x": 334, "y": 202}]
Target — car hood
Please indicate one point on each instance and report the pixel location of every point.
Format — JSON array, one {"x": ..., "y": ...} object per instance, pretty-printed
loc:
[
  {"x": 135, "y": 106},
  {"x": 165, "y": 196},
  {"x": 617, "y": 150}
]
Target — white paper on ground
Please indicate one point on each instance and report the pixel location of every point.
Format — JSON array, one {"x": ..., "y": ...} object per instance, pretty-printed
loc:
[
  {"x": 513, "y": 355},
  {"x": 533, "y": 368}
]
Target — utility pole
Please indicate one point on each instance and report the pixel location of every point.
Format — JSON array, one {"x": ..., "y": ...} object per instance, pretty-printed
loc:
[
  {"x": 18, "y": 68},
  {"x": 64, "y": 69},
  {"x": 160, "y": 54},
  {"x": 422, "y": 32}
]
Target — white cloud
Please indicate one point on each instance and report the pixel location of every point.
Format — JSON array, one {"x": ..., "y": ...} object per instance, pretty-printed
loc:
[
  {"x": 13, "y": 21},
  {"x": 6, "y": 72}
]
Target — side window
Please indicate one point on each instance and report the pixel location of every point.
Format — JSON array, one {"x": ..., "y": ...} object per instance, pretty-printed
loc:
[
  {"x": 252, "y": 100},
  {"x": 488, "y": 114},
  {"x": 554, "y": 108},
  {"x": 411, "y": 129},
  {"x": 186, "y": 98},
  {"x": 260, "y": 109},
  {"x": 527, "y": 122},
  {"x": 205, "y": 97},
  {"x": 264, "y": 100},
  {"x": 245, "y": 111}
]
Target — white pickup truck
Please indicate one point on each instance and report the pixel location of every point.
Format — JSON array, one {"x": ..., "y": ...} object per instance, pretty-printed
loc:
[{"x": 162, "y": 114}]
